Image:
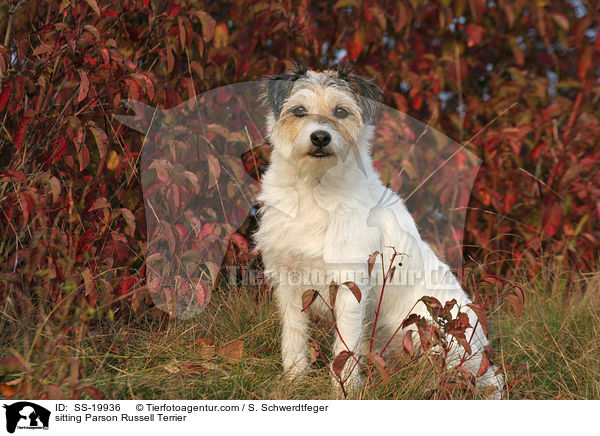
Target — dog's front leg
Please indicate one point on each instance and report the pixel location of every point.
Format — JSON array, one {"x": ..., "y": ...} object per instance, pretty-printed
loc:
[
  {"x": 349, "y": 335},
  {"x": 294, "y": 337}
]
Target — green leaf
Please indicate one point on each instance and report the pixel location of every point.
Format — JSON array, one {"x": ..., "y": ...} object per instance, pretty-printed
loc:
[{"x": 346, "y": 4}]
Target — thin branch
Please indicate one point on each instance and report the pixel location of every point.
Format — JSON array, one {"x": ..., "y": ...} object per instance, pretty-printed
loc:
[{"x": 12, "y": 10}]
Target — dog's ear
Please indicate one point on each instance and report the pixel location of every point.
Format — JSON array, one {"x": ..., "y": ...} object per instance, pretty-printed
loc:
[
  {"x": 278, "y": 88},
  {"x": 369, "y": 92}
]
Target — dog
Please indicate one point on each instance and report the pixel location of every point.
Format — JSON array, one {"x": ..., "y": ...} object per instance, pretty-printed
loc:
[{"x": 324, "y": 211}]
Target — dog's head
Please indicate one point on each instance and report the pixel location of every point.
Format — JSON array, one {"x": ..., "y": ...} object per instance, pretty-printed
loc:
[{"x": 317, "y": 118}]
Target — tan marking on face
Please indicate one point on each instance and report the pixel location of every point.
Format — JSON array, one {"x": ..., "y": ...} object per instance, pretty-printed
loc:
[
  {"x": 320, "y": 101},
  {"x": 291, "y": 125}
]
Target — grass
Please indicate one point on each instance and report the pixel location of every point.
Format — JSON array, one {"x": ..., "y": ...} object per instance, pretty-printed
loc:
[
  {"x": 552, "y": 351},
  {"x": 557, "y": 341}
]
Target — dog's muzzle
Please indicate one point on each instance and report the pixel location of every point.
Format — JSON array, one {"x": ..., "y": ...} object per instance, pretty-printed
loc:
[{"x": 320, "y": 139}]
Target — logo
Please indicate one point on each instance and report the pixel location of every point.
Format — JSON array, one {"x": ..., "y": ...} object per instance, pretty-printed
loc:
[{"x": 26, "y": 415}]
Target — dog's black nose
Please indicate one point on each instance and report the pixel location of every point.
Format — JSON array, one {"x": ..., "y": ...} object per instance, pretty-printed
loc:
[{"x": 320, "y": 138}]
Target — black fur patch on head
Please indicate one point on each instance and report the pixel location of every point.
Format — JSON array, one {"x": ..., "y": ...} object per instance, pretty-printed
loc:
[
  {"x": 278, "y": 88},
  {"x": 369, "y": 93}
]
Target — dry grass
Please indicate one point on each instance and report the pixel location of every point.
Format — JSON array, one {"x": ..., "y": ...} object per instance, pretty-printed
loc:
[
  {"x": 552, "y": 351},
  {"x": 557, "y": 340}
]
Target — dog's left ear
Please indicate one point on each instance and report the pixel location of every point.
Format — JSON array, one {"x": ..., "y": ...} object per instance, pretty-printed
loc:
[
  {"x": 276, "y": 91},
  {"x": 370, "y": 94},
  {"x": 278, "y": 88}
]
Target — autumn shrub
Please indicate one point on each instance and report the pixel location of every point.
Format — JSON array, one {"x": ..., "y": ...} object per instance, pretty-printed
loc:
[{"x": 514, "y": 82}]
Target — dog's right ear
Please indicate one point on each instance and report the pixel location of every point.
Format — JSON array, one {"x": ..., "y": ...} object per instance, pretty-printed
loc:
[{"x": 278, "y": 88}]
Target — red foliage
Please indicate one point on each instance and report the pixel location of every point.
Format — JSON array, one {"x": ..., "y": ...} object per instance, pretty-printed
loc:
[{"x": 511, "y": 80}]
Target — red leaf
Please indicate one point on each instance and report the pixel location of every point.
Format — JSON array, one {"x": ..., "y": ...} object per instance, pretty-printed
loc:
[
  {"x": 372, "y": 259},
  {"x": 12, "y": 364},
  {"x": 207, "y": 229},
  {"x": 412, "y": 319},
  {"x": 433, "y": 306},
  {"x": 105, "y": 55},
  {"x": 333, "y": 289},
  {"x": 484, "y": 366},
  {"x": 354, "y": 46},
  {"x": 493, "y": 279},
  {"x": 42, "y": 49},
  {"x": 208, "y": 25},
  {"x": 424, "y": 337},
  {"x": 463, "y": 341},
  {"x": 182, "y": 34},
  {"x": 125, "y": 286},
  {"x": 509, "y": 200},
  {"x": 84, "y": 86},
  {"x": 12, "y": 175},
  {"x": 233, "y": 351},
  {"x": 516, "y": 299},
  {"x": 561, "y": 20},
  {"x": 129, "y": 219},
  {"x": 59, "y": 150},
  {"x": 85, "y": 242},
  {"x": 381, "y": 366},
  {"x": 308, "y": 297},
  {"x": 7, "y": 391},
  {"x": 239, "y": 241},
  {"x": 21, "y": 132},
  {"x": 552, "y": 219},
  {"x": 446, "y": 311},
  {"x": 133, "y": 89},
  {"x": 27, "y": 205},
  {"x": 214, "y": 168},
  {"x": 481, "y": 315},
  {"x": 477, "y": 8},
  {"x": 417, "y": 101},
  {"x": 315, "y": 351},
  {"x": 407, "y": 343},
  {"x": 355, "y": 290},
  {"x": 584, "y": 61},
  {"x": 340, "y": 361},
  {"x": 101, "y": 141},
  {"x": 173, "y": 10},
  {"x": 54, "y": 392},
  {"x": 202, "y": 291},
  {"x": 83, "y": 156},
  {"x": 5, "y": 95},
  {"x": 94, "y": 6},
  {"x": 147, "y": 82},
  {"x": 193, "y": 369},
  {"x": 400, "y": 100},
  {"x": 474, "y": 34}
]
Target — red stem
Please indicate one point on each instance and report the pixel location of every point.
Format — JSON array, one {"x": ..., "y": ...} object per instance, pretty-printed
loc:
[{"x": 385, "y": 279}]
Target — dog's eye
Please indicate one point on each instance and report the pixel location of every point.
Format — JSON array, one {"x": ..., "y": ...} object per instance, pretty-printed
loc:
[
  {"x": 340, "y": 112},
  {"x": 300, "y": 111}
]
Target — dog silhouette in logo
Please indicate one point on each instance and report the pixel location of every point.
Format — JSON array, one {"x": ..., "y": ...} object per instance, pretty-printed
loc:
[{"x": 30, "y": 413}]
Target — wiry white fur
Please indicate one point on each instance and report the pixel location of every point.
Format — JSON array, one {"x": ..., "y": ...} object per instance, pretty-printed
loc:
[{"x": 322, "y": 218}]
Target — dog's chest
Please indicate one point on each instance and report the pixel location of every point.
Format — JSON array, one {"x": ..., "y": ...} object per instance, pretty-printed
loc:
[{"x": 318, "y": 235}]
